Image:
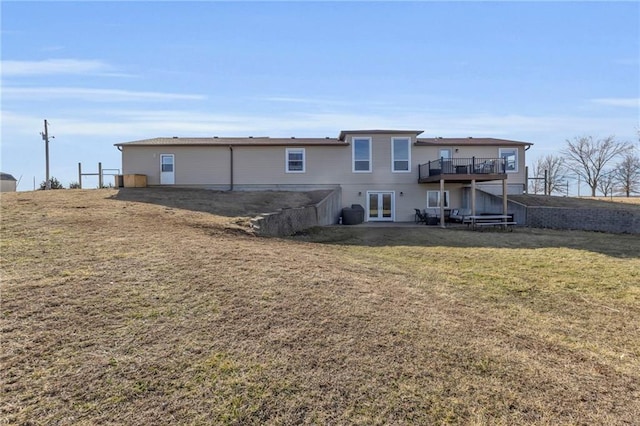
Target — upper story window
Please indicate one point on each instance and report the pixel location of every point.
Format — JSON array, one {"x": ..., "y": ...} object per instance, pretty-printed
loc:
[
  {"x": 361, "y": 155},
  {"x": 400, "y": 154},
  {"x": 294, "y": 160},
  {"x": 510, "y": 156}
]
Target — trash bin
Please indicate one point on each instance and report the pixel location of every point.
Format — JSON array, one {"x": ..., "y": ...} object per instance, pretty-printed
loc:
[
  {"x": 353, "y": 215},
  {"x": 360, "y": 212}
]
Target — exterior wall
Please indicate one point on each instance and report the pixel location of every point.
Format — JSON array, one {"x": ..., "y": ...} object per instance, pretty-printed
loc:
[
  {"x": 496, "y": 188},
  {"x": 194, "y": 165},
  {"x": 407, "y": 197},
  {"x": 8, "y": 186},
  {"x": 263, "y": 168},
  {"x": 266, "y": 165}
]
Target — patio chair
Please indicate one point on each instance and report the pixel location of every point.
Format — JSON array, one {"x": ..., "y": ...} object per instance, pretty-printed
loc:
[{"x": 420, "y": 217}]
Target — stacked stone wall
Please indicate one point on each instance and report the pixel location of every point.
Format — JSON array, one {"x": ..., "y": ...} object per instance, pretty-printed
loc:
[{"x": 596, "y": 219}]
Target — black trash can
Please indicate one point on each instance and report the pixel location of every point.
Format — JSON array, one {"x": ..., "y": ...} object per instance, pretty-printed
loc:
[
  {"x": 353, "y": 215},
  {"x": 360, "y": 210}
]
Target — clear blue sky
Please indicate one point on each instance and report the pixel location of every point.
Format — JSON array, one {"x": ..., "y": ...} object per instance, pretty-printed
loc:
[{"x": 109, "y": 72}]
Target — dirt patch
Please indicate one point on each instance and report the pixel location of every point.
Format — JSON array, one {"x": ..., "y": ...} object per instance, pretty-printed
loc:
[{"x": 221, "y": 203}]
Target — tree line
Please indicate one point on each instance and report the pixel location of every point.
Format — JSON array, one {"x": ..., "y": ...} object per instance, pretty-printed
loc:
[{"x": 606, "y": 165}]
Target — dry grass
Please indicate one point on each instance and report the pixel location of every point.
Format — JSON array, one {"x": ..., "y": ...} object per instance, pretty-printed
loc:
[
  {"x": 625, "y": 200},
  {"x": 120, "y": 311},
  {"x": 632, "y": 203}
]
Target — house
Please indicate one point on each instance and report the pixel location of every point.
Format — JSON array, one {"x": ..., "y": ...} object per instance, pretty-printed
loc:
[
  {"x": 388, "y": 172},
  {"x": 7, "y": 183}
]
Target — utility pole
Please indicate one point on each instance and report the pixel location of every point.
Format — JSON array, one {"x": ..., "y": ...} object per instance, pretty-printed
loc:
[
  {"x": 578, "y": 186},
  {"x": 45, "y": 138}
]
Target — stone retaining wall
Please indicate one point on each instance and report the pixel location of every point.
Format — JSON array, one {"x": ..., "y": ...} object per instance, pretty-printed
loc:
[
  {"x": 604, "y": 220},
  {"x": 289, "y": 221}
]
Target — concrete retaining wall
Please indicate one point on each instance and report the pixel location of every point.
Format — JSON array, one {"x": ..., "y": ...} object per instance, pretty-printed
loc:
[
  {"x": 604, "y": 220},
  {"x": 289, "y": 221},
  {"x": 489, "y": 203}
]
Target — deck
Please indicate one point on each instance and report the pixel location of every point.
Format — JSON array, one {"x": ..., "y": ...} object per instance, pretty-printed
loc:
[{"x": 462, "y": 170}]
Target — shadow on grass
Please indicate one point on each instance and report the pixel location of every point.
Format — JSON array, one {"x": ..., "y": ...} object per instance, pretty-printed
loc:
[
  {"x": 220, "y": 203},
  {"x": 615, "y": 245}
]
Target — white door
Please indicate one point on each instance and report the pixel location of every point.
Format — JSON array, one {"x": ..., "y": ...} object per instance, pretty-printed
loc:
[
  {"x": 380, "y": 206},
  {"x": 167, "y": 169}
]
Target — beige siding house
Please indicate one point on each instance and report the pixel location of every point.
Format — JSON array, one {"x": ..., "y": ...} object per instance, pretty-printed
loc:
[{"x": 389, "y": 172}]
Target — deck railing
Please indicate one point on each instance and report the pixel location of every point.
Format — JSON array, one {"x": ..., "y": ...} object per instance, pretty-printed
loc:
[{"x": 462, "y": 166}]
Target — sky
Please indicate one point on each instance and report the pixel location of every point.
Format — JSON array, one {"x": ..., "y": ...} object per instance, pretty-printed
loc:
[{"x": 108, "y": 72}]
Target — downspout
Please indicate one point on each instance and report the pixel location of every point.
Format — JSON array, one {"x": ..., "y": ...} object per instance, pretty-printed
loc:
[{"x": 230, "y": 168}]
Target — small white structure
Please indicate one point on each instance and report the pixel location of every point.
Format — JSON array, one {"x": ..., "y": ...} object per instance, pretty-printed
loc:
[{"x": 7, "y": 183}]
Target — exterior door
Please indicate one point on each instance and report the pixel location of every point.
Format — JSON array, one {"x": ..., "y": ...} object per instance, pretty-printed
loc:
[
  {"x": 380, "y": 206},
  {"x": 167, "y": 169},
  {"x": 445, "y": 155}
]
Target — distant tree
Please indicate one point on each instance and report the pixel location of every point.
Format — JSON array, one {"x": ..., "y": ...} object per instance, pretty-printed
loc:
[
  {"x": 606, "y": 183},
  {"x": 588, "y": 157},
  {"x": 55, "y": 184},
  {"x": 554, "y": 165},
  {"x": 74, "y": 185},
  {"x": 627, "y": 174}
]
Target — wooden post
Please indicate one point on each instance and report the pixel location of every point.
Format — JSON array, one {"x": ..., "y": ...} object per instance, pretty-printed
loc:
[
  {"x": 99, "y": 175},
  {"x": 473, "y": 197},
  {"x": 442, "y": 203},
  {"x": 504, "y": 196},
  {"x": 80, "y": 175}
]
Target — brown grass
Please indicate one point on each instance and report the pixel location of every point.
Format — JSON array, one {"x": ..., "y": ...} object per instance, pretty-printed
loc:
[
  {"x": 631, "y": 203},
  {"x": 159, "y": 312},
  {"x": 625, "y": 200}
]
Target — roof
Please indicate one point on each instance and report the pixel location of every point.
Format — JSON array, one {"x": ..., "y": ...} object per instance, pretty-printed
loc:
[
  {"x": 468, "y": 141},
  {"x": 6, "y": 176},
  {"x": 344, "y": 133},
  {"x": 224, "y": 141},
  {"x": 340, "y": 141}
]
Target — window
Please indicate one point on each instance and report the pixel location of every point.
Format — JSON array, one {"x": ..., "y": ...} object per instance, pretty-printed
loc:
[
  {"x": 294, "y": 158},
  {"x": 166, "y": 162},
  {"x": 510, "y": 156},
  {"x": 361, "y": 155},
  {"x": 433, "y": 199},
  {"x": 400, "y": 154}
]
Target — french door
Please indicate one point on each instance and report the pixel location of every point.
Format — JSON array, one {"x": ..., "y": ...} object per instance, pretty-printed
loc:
[{"x": 380, "y": 206}]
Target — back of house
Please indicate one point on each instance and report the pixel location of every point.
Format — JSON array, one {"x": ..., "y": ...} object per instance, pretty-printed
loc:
[{"x": 388, "y": 172}]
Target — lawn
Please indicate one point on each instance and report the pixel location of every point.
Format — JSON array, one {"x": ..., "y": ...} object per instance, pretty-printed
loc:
[{"x": 151, "y": 307}]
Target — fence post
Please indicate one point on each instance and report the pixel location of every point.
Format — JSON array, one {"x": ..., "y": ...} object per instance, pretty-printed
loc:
[
  {"x": 80, "y": 175},
  {"x": 99, "y": 175}
]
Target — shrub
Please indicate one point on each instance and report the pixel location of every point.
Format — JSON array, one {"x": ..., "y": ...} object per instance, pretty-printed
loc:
[{"x": 54, "y": 183}]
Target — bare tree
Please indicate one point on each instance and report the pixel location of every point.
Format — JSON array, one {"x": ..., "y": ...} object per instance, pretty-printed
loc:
[
  {"x": 554, "y": 166},
  {"x": 588, "y": 158},
  {"x": 606, "y": 183},
  {"x": 627, "y": 174}
]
